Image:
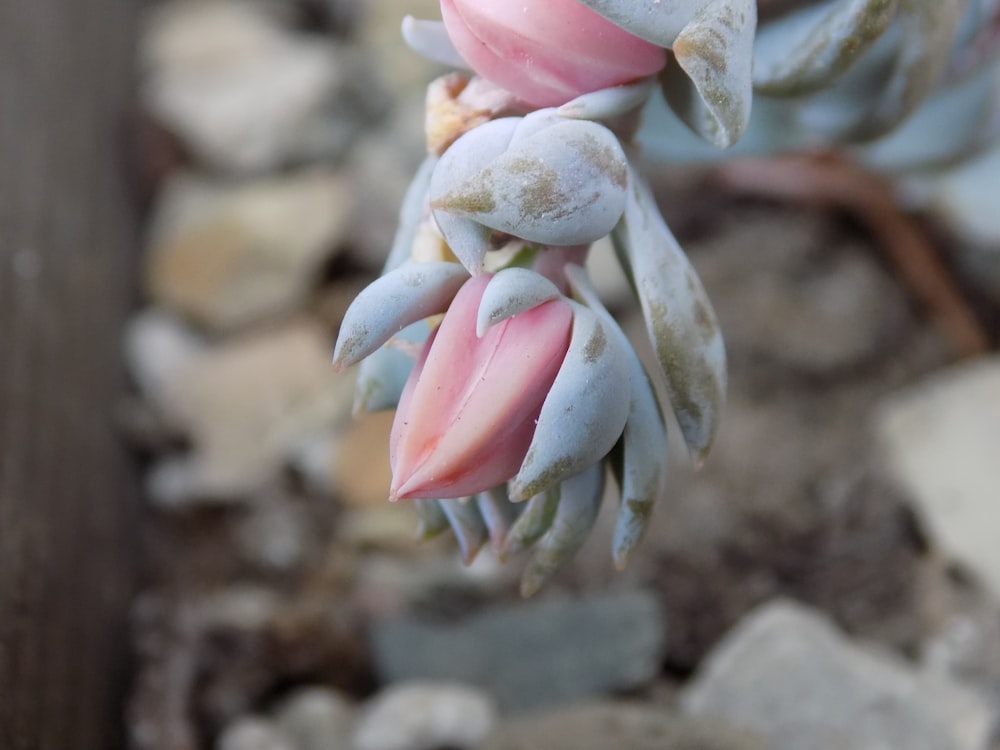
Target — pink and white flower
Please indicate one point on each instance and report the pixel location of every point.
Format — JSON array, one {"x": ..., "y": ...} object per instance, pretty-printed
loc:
[{"x": 547, "y": 52}]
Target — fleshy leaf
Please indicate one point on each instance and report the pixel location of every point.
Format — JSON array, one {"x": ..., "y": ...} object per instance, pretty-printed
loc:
[
  {"x": 584, "y": 412},
  {"x": 511, "y": 291},
  {"x": 467, "y": 523},
  {"x": 679, "y": 318},
  {"x": 432, "y": 517},
  {"x": 643, "y": 467},
  {"x": 382, "y": 375},
  {"x": 534, "y": 521},
  {"x": 927, "y": 28},
  {"x": 709, "y": 82},
  {"x": 410, "y": 215},
  {"x": 579, "y": 503},
  {"x": 804, "y": 51},
  {"x": 606, "y": 103},
  {"x": 464, "y": 159},
  {"x": 430, "y": 39},
  {"x": 390, "y": 303},
  {"x": 499, "y": 514},
  {"x": 953, "y": 125},
  {"x": 656, "y": 22},
  {"x": 564, "y": 185}
]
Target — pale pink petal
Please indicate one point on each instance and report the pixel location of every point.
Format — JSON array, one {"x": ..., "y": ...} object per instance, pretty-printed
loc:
[
  {"x": 547, "y": 51},
  {"x": 466, "y": 422}
]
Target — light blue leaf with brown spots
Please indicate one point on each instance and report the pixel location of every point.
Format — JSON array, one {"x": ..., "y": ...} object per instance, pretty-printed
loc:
[
  {"x": 411, "y": 213},
  {"x": 383, "y": 374},
  {"x": 655, "y": 21},
  {"x": 467, "y": 523},
  {"x": 579, "y": 504},
  {"x": 642, "y": 468},
  {"x": 534, "y": 521},
  {"x": 468, "y": 239},
  {"x": 390, "y": 303},
  {"x": 709, "y": 80},
  {"x": 512, "y": 291},
  {"x": 584, "y": 412},
  {"x": 610, "y": 102},
  {"x": 679, "y": 318},
  {"x": 499, "y": 514},
  {"x": 562, "y": 185},
  {"x": 807, "y": 49}
]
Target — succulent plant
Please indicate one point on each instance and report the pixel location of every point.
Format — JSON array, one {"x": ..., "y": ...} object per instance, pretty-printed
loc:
[{"x": 515, "y": 404}]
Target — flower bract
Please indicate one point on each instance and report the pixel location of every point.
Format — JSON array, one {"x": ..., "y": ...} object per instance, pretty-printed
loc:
[
  {"x": 467, "y": 413},
  {"x": 547, "y": 52}
]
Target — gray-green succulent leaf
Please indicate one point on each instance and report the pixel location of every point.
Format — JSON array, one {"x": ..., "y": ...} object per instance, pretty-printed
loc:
[
  {"x": 563, "y": 184},
  {"x": 383, "y": 373},
  {"x": 535, "y": 519},
  {"x": 642, "y": 469},
  {"x": 679, "y": 318},
  {"x": 655, "y": 21},
  {"x": 927, "y": 29},
  {"x": 610, "y": 102},
  {"x": 512, "y": 291},
  {"x": 499, "y": 514},
  {"x": 806, "y": 50},
  {"x": 409, "y": 293},
  {"x": 430, "y": 39},
  {"x": 709, "y": 81},
  {"x": 411, "y": 213},
  {"x": 432, "y": 518},
  {"x": 579, "y": 504},
  {"x": 467, "y": 522},
  {"x": 584, "y": 412}
]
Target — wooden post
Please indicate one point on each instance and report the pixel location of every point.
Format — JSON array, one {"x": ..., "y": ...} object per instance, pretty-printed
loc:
[{"x": 67, "y": 258}]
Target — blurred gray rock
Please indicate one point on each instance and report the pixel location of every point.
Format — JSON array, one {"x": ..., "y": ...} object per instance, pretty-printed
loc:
[
  {"x": 425, "y": 716},
  {"x": 275, "y": 534},
  {"x": 227, "y": 256},
  {"x": 244, "y": 92},
  {"x": 316, "y": 718},
  {"x": 619, "y": 726},
  {"x": 533, "y": 655},
  {"x": 252, "y": 733},
  {"x": 800, "y": 297},
  {"x": 787, "y": 673},
  {"x": 247, "y": 406},
  {"x": 941, "y": 442},
  {"x": 239, "y": 608}
]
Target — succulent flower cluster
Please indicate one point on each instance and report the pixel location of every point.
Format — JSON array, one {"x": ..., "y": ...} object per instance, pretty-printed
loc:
[{"x": 516, "y": 390}]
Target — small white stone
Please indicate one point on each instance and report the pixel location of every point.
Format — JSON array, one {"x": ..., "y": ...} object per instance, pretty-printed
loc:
[
  {"x": 425, "y": 716},
  {"x": 157, "y": 347},
  {"x": 275, "y": 533},
  {"x": 317, "y": 718},
  {"x": 941, "y": 442},
  {"x": 788, "y": 673},
  {"x": 252, "y": 733}
]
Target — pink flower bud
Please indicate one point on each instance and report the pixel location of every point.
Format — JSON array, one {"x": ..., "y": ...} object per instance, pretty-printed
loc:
[
  {"x": 467, "y": 414},
  {"x": 547, "y": 52}
]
